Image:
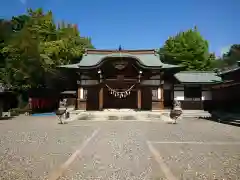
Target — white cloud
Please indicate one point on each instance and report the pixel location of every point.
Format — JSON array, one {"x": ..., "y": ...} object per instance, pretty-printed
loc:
[{"x": 23, "y": 1}]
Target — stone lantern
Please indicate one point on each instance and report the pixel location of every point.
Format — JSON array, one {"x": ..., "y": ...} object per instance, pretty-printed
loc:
[{"x": 176, "y": 112}]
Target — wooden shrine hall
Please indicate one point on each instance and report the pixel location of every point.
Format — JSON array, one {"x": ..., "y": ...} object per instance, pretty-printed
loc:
[{"x": 135, "y": 79}]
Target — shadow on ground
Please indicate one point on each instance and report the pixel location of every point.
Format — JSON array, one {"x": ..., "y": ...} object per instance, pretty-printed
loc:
[
  {"x": 6, "y": 118},
  {"x": 84, "y": 117},
  {"x": 224, "y": 118}
]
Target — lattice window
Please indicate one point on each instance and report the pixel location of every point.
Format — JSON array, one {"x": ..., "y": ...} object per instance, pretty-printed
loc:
[
  {"x": 155, "y": 94},
  {"x": 85, "y": 94}
]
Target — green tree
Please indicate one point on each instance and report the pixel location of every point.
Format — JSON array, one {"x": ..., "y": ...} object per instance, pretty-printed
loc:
[
  {"x": 18, "y": 22},
  {"x": 5, "y": 34},
  {"x": 68, "y": 47},
  {"x": 229, "y": 59},
  {"x": 23, "y": 66},
  {"x": 32, "y": 46},
  {"x": 189, "y": 49},
  {"x": 232, "y": 56}
]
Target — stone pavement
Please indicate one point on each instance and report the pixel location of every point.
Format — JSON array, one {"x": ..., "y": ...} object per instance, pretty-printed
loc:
[{"x": 39, "y": 148}]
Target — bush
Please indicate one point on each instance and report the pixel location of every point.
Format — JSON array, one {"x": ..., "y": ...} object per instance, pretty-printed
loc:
[
  {"x": 15, "y": 112},
  {"x": 18, "y": 111}
]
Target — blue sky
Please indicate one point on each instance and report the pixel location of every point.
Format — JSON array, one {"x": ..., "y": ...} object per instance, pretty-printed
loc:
[{"x": 137, "y": 24}]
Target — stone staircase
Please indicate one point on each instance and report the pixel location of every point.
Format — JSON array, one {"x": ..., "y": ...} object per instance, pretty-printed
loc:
[
  {"x": 123, "y": 114},
  {"x": 128, "y": 114},
  {"x": 196, "y": 113}
]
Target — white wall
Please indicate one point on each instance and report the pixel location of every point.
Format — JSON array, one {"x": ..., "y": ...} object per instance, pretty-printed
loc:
[
  {"x": 179, "y": 95},
  {"x": 206, "y": 95}
]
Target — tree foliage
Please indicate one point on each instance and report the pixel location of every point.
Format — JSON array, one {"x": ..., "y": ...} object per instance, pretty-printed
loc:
[
  {"x": 189, "y": 49},
  {"x": 232, "y": 56},
  {"x": 32, "y": 45},
  {"x": 229, "y": 59}
]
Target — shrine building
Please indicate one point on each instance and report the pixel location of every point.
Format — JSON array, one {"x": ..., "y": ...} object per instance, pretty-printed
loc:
[
  {"x": 139, "y": 80},
  {"x": 225, "y": 94}
]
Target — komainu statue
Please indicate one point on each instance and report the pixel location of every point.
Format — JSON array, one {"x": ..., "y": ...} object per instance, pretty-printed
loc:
[
  {"x": 176, "y": 112},
  {"x": 62, "y": 110}
]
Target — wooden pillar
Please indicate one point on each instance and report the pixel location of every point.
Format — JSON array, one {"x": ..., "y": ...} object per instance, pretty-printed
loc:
[
  {"x": 101, "y": 98},
  {"x": 78, "y": 97},
  {"x": 79, "y": 91},
  {"x": 81, "y": 102},
  {"x": 201, "y": 100},
  {"x": 162, "y": 98},
  {"x": 161, "y": 91},
  {"x": 100, "y": 95},
  {"x": 139, "y": 95},
  {"x": 1, "y": 107}
]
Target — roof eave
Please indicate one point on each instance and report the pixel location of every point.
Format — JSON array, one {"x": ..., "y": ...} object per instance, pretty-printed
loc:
[
  {"x": 171, "y": 66},
  {"x": 98, "y": 66},
  {"x": 70, "y": 66},
  {"x": 209, "y": 83},
  {"x": 229, "y": 71},
  {"x": 167, "y": 66}
]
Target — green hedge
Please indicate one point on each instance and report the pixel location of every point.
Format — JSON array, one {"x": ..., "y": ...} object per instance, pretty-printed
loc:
[{"x": 18, "y": 111}]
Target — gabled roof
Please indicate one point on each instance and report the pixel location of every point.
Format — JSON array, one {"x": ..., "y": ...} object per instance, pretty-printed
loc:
[
  {"x": 234, "y": 68},
  {"x": 145, "y": 58},
  {"x": 204, "y": 77}
]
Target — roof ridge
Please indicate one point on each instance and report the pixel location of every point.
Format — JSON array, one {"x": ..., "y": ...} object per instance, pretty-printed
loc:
[{"x": 106, "y": 51}]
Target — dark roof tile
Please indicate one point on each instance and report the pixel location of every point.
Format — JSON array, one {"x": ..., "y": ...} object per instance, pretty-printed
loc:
[{"x": 197, "y": 77}]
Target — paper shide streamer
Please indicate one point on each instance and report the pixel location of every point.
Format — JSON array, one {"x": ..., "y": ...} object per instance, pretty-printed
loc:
[{"x": 120, "y": 94}]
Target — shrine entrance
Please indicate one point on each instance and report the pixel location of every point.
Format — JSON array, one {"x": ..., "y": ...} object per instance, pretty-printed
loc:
[
  {"x": 112, "y": 100},
  {"x": 120, "y": 83}
]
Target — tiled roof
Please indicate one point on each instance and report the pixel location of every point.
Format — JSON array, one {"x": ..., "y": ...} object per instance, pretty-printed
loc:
[
  {"x": 145, "y": 59},
  {"x": 205, "y": 77}
]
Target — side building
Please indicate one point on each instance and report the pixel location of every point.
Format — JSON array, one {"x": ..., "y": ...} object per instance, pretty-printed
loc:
[{"x": 225, "y": 94}]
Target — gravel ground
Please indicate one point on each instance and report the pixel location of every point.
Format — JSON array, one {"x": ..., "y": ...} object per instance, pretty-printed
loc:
[
  {"x": 118, "y": 152},
  {"x": 32, "y": 147}
]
